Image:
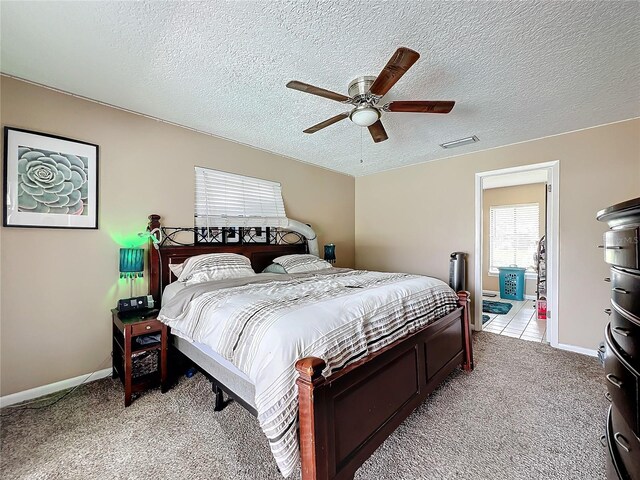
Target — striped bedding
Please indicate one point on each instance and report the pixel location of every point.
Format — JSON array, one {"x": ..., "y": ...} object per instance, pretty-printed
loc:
[{"x": 265, "y": 323}]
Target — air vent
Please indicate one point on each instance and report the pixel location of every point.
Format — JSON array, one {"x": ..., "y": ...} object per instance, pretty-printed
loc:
[{"x": 460, "y": 142}]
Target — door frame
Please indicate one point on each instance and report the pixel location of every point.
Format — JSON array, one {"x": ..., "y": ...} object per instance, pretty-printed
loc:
[{"x": 552, "y": 236}]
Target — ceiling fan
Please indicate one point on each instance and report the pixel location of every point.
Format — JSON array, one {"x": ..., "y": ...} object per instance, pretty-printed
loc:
[{"x": 366, "y": 92}]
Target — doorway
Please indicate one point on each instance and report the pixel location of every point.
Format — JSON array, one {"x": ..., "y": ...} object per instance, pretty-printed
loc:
[{"x": 521, "y": 204}]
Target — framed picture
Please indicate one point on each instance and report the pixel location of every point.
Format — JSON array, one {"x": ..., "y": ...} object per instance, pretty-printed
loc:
[
  {"x": 49, "y": 181},
  {"x": 231, "y": 235},
  {"x": 258, "y": 235},
  {"x": 208, "y": 235}
]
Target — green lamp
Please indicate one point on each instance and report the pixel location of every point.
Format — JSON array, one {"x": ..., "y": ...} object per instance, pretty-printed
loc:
[
  {"x": 330, "y": 253},
  {"x": 131, "y": 264}
]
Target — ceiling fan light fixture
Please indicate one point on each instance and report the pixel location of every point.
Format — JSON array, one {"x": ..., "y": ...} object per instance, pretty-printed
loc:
[
  {"x": 365, "y": 115},
  {"x": 366, "y": 91}
]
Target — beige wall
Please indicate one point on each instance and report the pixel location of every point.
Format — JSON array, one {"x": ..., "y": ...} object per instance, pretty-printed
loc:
[
  {"x": 58, "y": 285},
  {"x": 493, "y": 197},
  {"x": 411, "y": 219}
]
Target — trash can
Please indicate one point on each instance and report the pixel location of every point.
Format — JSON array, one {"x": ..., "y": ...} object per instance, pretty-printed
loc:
[
  {"x": 457, "y": 268},
  {"x": 512, "y": 283}
]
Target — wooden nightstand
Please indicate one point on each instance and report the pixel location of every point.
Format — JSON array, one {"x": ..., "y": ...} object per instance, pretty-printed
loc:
[{"x": 126, "y": 349}]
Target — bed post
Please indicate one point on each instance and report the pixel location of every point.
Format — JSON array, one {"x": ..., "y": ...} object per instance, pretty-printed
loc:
[
  {"x": 464, "y": 298},
  {"x": 313, "y": 419},
  {"x": 154, "y": 261}
]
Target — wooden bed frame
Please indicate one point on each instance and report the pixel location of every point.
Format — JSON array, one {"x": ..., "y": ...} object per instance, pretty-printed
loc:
[{"x": 344, "y": 417}]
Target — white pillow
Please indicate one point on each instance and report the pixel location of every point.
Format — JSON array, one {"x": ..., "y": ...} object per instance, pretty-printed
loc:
[
  {"x": 302, "y": 263},
  {"x": 274, "y": 268},
  {"x": 176, "y": 268},
  {"x": 215, "y": 266}
]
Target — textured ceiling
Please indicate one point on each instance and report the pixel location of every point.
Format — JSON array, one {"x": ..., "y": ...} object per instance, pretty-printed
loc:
[{"x": 517, "y": 70}]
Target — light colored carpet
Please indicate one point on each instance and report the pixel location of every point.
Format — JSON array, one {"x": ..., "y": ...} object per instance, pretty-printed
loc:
[{"x": 527, "y": 412}]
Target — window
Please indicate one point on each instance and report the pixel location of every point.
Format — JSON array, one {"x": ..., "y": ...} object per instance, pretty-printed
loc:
[
  {"x": 514, "y": 231},
  {"x": 229, "y": 200}
]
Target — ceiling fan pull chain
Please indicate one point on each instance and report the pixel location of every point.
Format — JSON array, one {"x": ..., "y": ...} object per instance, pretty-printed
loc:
[{"x": 361, "y": 146}]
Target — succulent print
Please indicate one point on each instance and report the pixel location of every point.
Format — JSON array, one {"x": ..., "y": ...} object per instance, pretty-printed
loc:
[{"x": 52, "y": 182}]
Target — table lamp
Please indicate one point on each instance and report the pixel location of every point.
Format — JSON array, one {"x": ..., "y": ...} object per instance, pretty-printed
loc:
[
  {"x": 131, "y": 264},
  {"x": 330, "y": 253}
]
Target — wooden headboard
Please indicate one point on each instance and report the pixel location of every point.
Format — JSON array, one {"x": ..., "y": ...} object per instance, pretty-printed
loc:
[{"x": 260, "y": 254}]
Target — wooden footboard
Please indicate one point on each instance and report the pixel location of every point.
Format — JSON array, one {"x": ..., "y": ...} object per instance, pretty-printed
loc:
[{"x": 346, "y": 416}]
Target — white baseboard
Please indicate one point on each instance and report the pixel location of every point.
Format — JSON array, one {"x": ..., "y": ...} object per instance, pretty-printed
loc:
[
  {"x": 581, "y": 350},
  {"x": 52, "y": 388}
]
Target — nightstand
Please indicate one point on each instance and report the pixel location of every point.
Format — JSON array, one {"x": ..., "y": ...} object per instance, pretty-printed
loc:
[{"x": 127, "y": 351}]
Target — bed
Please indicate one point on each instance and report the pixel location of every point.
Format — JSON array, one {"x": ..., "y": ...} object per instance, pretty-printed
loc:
[{"x": 343, "y": 414}]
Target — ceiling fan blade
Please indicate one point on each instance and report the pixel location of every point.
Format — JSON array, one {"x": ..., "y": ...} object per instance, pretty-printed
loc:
[
  {"x": 326, "y": 123},
  {"x": 321, "y": 92},
  {"x": 377, "y": 132},
  {"x": 400, "y": 62},
  {"x": 443, "y": 106}
]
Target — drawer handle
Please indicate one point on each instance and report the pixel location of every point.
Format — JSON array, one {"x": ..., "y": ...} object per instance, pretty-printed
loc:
[
  {"x": 614, "y": 381},
  {"x": 148, "y": 327},
  {"x": 607, "y": 279},
  {"x": 608, "y": 396},
  {"x": 620, "y": 440},
  {"x": 619, "y": 290},
  {"x": 607, "y": 311},
  {"x": 603, "y": 442},
  {"x": 621, "y": 331},
  {"x": 611, "y": 247}
]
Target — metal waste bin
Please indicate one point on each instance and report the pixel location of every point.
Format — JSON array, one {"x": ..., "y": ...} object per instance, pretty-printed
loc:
[{"x": 457, "y": 271}]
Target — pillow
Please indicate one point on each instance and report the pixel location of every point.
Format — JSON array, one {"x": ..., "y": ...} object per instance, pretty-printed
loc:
[
  {"x": 176, "y": 268},
  {"x": 302, "y": 263},
  {"x": 215, "y": 266},
  {"x": 274, "y": 268}
]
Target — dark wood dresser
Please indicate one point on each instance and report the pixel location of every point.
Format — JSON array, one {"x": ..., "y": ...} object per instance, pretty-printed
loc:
[{"x": 622, "y": 339}]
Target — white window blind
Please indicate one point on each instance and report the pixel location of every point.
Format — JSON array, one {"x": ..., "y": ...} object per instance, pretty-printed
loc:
[
  {"x": 514, "y": 231},
  {"x": 229, "y": 200}
]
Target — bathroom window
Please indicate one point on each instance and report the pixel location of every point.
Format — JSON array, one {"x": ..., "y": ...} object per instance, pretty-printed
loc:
[{"x": 514, "y": 233}]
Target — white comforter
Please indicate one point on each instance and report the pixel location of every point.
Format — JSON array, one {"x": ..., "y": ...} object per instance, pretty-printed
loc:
[{"x": 264, "y": 324}]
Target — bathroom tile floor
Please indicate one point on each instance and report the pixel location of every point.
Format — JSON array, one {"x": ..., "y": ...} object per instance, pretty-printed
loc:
[{"x": 521, "y": 321}]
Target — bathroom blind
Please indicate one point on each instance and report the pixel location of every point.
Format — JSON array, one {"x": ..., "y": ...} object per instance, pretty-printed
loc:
[{"x": 514, "y": 233}]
